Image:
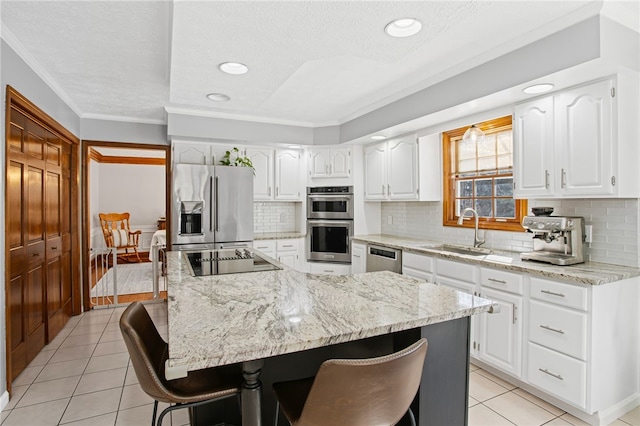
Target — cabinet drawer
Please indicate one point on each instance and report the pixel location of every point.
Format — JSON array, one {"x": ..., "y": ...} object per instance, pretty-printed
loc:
[
  {"x": 287, "y": 245},
  {"x": 265, "y": 246},
  {"x": 329, "y": 268},
  {"x": 501, "y": 280},
  {"x": 465, "y": 287},
  {"x": 458, "y": 270},
  {"x": 417, "y": 273},
  {"x": 417, "y": 261},
  {"x": 558, "y": 374},
  {"x": 572, "y": 296},
  {"x": 558, "y": 328}
]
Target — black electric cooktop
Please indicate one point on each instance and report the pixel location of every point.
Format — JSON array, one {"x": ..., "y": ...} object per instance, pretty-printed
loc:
[{"x": 227, "y": 261}]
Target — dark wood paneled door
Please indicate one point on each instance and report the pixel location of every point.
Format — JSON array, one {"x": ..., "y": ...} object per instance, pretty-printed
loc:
[{"x": 39, "y": 229}]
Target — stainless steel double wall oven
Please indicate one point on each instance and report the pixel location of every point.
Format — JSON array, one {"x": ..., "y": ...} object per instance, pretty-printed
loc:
[{"x": 329, "y": 223}]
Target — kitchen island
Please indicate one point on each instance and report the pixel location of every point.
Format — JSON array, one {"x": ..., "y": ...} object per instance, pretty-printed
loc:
[{"x": 254, "y": 318}]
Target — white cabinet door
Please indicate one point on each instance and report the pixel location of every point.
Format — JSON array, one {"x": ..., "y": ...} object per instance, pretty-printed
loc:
[
  {"x": 375, "y": 172},
  {"x": 340, "y": 162},
  {"x": 533, "y": 147},
  {"x": 289, "y": 259},
  {"x": 287, "y": 175},
  {"x": 585, "y": 129},
  {"x": 501, "y": 332},
  {"x": 262, "y": 160},
  {"x": 402, "y": 169},
  {"x": 358, "y": 259},
  {"x": 191, "y": 153},
  {"x": 319, "y": 161}
]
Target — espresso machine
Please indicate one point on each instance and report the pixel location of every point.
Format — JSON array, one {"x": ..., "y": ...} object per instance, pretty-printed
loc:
[{"x": 556, "y": 239}]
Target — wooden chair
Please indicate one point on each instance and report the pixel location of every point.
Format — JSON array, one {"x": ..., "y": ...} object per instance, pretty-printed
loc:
[{"x": 118, "y": 235}]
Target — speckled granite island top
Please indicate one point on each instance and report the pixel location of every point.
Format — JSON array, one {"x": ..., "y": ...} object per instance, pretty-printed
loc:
[
  {"x": 225, "y": 319},
  {"x": 590, "y": 273}
]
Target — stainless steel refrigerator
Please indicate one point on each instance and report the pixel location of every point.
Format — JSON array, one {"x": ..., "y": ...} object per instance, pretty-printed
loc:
[{"x": 211, "y": 207}]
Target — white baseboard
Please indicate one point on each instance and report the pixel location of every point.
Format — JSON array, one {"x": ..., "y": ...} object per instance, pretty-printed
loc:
[{"x": 4, "y": 400}]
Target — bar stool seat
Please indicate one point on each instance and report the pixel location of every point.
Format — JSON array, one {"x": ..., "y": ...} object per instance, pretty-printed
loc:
[{"x": 365, "y": 392}]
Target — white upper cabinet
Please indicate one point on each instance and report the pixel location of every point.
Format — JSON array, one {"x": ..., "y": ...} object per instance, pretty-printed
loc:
[
  {"x": 191, "y": 153},
  {"x": 585, "y": 130},
  {"x": 330, "y": 162},
  {"x": 262, "y": 160},
  {"x": 375, "y": 172},
  {"x": 287, "y": 175},
  {"x": 403, "y": 169},
  {"x": 533, "y": 148},
  {"x": 575, "y": 144}
]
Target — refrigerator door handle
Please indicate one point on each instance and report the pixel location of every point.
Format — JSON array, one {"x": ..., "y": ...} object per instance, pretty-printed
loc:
[
  {"x": 210, "y": 203},
  {"x": 216, "y": 208}
]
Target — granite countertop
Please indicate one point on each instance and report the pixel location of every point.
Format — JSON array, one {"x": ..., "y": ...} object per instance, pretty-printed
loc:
[
  {"x": 224, "y": 319},
  {"x": 591, "y": 273},
  {"x": 277, "y": 235}
]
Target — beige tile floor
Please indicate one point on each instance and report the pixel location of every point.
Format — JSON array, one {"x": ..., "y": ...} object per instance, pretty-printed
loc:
[{"x": 84, "y": 377}]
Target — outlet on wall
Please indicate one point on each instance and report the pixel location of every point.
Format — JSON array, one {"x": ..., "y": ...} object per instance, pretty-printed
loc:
[
  {"x": 389, "y": 220},
  {"x": 588, "y": 236}
]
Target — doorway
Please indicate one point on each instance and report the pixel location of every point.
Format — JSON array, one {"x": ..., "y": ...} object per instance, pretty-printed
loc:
[{"x": 122, "y": 178}]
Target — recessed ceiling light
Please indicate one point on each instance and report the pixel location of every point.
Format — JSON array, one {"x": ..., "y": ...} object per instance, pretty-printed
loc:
[
  {"x": 403, "y": 27},
  {"x": 294, "y": 146},
  {"x": 218, "y": 97},
  {"x": 378, "y": 137},
  {"x": 235, "y": 68},
  {"x": 538, "y": 88}
]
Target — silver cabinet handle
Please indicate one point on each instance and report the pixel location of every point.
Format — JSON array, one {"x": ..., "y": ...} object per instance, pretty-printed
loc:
[
  {"x": 269, "y": 191},
  {"x": 211, "y": 203},
  {"x": 553, "y": 293},
  {"x": 546, "y": 179},
  {"x": 494, "y": 280},
  {"x": 356, "y": 255},
  {"x": 288, "y": 245},
  {"x": 276, "y": 191},
  {"x": 556, "y": 330},
  {"x": 545, "y": 371},
  {"x": 563, "y": 178},
  {"x": 382, "y": 189},
  {"x": 388, "y": 189}
]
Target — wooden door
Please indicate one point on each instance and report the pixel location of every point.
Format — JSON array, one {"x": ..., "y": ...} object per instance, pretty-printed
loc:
[{"x": 40, "y": 220}]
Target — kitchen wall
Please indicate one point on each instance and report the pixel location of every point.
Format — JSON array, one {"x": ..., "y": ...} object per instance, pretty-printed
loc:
[
  {"x": 274, "y": 217},
  {"x": 615, "y": 227}
]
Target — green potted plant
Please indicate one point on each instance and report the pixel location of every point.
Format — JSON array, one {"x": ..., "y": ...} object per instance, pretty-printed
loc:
[{"x": 234, "y": 158}]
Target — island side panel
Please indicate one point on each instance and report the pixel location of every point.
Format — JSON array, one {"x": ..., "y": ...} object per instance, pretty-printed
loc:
[{"x": 444, "y": 390}]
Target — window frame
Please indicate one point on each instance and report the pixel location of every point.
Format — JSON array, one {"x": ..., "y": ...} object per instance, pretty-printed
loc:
[{"x": 449, "y": 217}]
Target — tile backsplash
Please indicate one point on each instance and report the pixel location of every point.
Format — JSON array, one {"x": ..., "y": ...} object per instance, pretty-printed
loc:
[
  {"x": 274, "y": 217},
  {"x": 615, "y": 227}
]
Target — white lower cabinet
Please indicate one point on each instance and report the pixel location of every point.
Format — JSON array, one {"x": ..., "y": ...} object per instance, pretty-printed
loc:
[
  {"x": 287, "y": 250},
  {"x": 417, "y": 266},
  {"x": 329, "y": 268},
  {"x": 575, "y": 345},
  {"x": 500, "y": 335},
  {"x": 358, "y": 258}
]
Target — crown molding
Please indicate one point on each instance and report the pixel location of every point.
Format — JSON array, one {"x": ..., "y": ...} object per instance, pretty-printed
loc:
[
  {"x": 123, "y": 118},
  {"x": 243, "y": 117}
]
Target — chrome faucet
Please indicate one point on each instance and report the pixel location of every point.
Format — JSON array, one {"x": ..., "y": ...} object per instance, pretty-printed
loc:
[{"x": 477, "y": 242}]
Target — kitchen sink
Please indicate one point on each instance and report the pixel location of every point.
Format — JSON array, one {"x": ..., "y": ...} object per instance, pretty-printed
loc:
[{"x": 467, "y": 251}]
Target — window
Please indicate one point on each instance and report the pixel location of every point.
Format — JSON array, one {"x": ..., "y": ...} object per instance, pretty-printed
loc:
[{"x": 480, "y": 175}]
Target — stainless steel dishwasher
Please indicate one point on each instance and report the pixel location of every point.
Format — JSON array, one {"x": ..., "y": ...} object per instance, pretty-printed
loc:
[{"x": 383, "y": 259}]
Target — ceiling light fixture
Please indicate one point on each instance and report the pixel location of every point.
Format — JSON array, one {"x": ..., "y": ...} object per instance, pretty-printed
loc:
[
  {"x": 473, "y": 135},
  {"x": 538, "y": 88},
  {"x": 235, "y": 68},
  {"x": 404, "y": 27},
  {"x": 378, "y": 137},
  {"x": 218, "y": 97},
  {"x": 294, "y": 147}
]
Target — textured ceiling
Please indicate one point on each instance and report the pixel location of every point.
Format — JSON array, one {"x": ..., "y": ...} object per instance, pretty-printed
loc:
[{"x": 310, "y": 62}]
